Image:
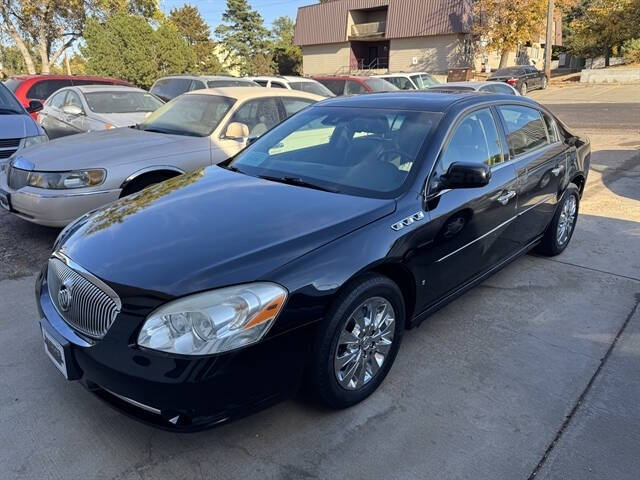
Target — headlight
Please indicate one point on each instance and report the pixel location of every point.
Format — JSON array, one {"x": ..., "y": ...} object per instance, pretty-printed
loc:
[
  {"x": 30, "y": 141},
  {"x": 62, "y": 180},
  {"x": 215, "y": 321}
]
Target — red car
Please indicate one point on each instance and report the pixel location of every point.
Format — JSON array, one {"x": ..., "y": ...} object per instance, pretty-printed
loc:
[
  {"x": 40, "y": 87},
  {"x": 352, "y": 85}
]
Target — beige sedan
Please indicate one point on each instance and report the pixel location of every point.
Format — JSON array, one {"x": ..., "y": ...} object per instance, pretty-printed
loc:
[{"x": 55, "y": 183}]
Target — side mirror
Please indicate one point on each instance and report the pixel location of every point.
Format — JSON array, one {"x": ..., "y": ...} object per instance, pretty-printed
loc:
[
  {"x": 72, "y": 110},
  {"x": 466, "y": 175},
  {"x": 237, "y": 131},
  {"x": 34, "y": 106}
]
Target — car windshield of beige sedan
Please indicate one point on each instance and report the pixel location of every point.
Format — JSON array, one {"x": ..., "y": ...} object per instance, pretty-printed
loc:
[
  {"x": 191, "y": 115},
  {"x": 359, "y": 151}
]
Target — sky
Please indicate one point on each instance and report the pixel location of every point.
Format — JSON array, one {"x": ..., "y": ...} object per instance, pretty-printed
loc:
[{"x": 211, "y": 10}]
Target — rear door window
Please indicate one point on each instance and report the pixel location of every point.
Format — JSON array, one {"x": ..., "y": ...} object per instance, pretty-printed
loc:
[
  {"x": 336, "y": 86},
  {"x": 355, "y": 88},
  {"x": 277, "y": 85},
  {"x": 551, "y": 128},
  {"x": 171, "y": 87},
  {"x": 57, "y": 101},
  {"x": 44, "y": 88},
  {"x": 196, "y": 85},
  {"x": 403, "y": 83},
  {"x": 525, "y": 128}
]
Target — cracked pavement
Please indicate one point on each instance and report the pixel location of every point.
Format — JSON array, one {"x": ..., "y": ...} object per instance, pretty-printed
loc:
[{"x": 533, "y": 374}]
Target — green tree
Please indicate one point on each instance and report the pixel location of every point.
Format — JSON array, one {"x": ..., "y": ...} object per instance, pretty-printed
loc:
[
  {"x": 126, "y": 46},
  {"x": 197, "y": 34},
  {"x": 52, "y": 26},
  {"x": 173, "y": 54},
  {"x": 286, "y": 55},
  {"x": 604, "y": 25},
  {"x": 243, "y": 35}
]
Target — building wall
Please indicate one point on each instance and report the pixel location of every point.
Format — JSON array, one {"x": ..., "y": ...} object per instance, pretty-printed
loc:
[
  {"x": 434, "y": 54},
  {"x": 326, "y": 59}
]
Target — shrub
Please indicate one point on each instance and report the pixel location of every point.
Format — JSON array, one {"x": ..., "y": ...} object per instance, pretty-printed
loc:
[{"x": 631, "y": 50}]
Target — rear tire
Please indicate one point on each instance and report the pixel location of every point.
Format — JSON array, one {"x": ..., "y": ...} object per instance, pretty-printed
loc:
[
  {"x": 355, "y": 348},
  {"x": 143, "y": 182},
  {"x": 523, "y": 89},
  {"x": 562, "y": 226}
]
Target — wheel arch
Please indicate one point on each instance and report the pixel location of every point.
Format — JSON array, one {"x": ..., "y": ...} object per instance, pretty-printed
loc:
[
  {"x": 168, "y": 170},
  {"x": 580, "y": 181}
]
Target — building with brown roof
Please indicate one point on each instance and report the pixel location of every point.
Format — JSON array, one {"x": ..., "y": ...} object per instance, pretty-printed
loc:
[{"x": 379, "y": 36}]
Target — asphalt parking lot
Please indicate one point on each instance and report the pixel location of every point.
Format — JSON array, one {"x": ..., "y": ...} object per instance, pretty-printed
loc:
[{"x": 532, "y": 374}]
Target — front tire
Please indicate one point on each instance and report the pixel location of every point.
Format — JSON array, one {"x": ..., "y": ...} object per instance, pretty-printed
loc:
[
  {"x": 355, "y": 349},
  {"x": 545, "y": 83},
  {"x": 562, "y": 226}
]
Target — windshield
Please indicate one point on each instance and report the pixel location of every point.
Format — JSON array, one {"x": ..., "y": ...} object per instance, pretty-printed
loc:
[
  {"x": 312, "y": 87},
  {"x": 194, "y": 115},
  {"x": 122, "y": 102},
  {"x": 231, "y": 83},
  {"x": 423, "y": 81},
  {"x": 358, "y": 151},
  {"x": 380, "y": 85},
  {"x": 8, "y": 103}
]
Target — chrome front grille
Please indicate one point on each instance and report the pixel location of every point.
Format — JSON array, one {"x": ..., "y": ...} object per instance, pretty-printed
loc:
[
  {"x": 82, "y": 300},
  {"x": 16, "y": 178}
]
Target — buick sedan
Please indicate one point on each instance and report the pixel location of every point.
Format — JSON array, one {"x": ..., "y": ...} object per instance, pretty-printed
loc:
[{"x": 306, "y": 257}]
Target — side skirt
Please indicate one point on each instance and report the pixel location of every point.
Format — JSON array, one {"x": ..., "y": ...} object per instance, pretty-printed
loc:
[{"x": 421, "y": 317}]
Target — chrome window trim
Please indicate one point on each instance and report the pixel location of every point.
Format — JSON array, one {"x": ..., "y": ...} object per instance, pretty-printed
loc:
[{"x": 89, "y": 277}]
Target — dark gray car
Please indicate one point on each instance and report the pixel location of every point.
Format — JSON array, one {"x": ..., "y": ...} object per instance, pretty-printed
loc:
[
  {"x": 168, "y": 88},
  {"x": 93, "y": 108}
]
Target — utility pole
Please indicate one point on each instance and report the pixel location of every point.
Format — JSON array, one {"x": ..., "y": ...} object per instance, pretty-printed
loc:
[{"x": 548, "y": 41}]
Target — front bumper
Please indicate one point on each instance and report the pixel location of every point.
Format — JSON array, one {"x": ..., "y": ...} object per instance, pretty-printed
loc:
[
  {"x": 173, "y": 392},
  {"x": 55, "y": 208}
]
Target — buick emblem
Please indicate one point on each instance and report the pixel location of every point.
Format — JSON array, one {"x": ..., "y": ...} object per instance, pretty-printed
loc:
[{"x": 64, "y": 296}]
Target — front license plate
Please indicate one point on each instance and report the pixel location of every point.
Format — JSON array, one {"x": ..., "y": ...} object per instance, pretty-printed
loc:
[
  {"x": 5, "y": 201},
  {"x": 55, "y": 352}
]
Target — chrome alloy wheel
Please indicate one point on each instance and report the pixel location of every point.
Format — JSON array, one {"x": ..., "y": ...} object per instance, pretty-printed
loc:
[
  {"x": 364, "y": 343},
  {"x": 567, "y": 220}
]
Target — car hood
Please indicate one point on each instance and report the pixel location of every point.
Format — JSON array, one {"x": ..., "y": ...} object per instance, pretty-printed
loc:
[
  {"x": 106, "y": 148},
  {"x": 210, "y": 228},
  {"x": 121, "y": 119},
  {"x": 17, "y": 126}
]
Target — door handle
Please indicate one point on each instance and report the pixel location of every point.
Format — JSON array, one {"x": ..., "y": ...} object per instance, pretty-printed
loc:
[
  {"x": 505, "y": 197},
  {"x": 558, "y": 170}
]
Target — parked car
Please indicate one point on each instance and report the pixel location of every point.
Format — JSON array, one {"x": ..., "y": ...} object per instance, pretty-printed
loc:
[
  {"x": 95, "y": 107},
  {"x": 40, "y": 87},
  {"x": 522, "y": 79},
  {"x": 491, "y": 87},
  {"x": 294, "y": 83},
  {"x": 307, "y": 255},
  {"x": 350, "y": 85},
  {"x": 17, "y": 129},
  {"x": 168, "y": 88},
  {"x": 410, "y": 81},
  {"x": 73, "y": 175}
]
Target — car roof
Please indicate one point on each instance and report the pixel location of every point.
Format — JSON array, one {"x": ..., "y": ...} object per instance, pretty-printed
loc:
[
  {"x": 420, "y": 100},
  {"x": 341, "y": 77},
  {"x": 245, "y": 93},
  {"x": 286, "y": 78},
  {"x": 206, "y": 77},
  {"x": 106, "y": 88},
  {"x": 66, "y": 77}
]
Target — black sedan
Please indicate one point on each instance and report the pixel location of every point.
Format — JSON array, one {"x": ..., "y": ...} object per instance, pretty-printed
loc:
[
  {"x": 522, "y": 79},
  {"x": 306, "y": 257}
]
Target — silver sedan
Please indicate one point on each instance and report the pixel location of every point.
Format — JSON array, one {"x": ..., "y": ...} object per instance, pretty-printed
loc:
[{"x": 95, "y": 107}]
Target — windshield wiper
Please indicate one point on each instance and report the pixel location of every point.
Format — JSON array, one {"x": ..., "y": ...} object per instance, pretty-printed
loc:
[{"x": 298, "y": 182}]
